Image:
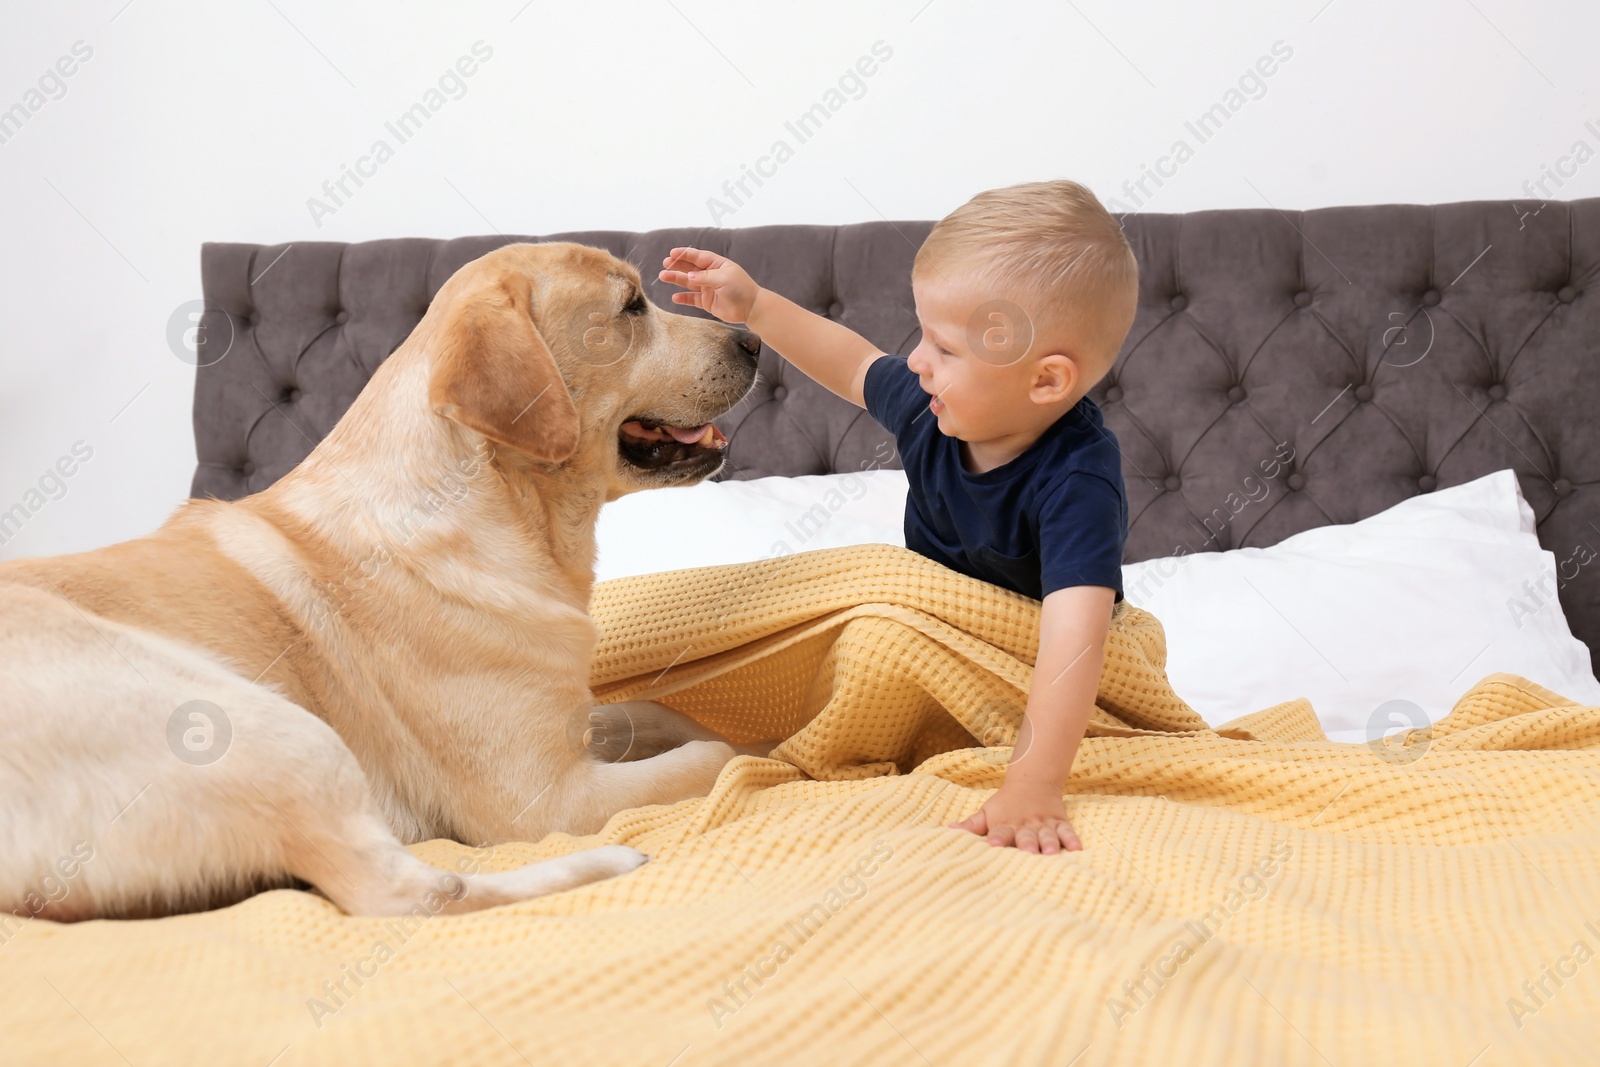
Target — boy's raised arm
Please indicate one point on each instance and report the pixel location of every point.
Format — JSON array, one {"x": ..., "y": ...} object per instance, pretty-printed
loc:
[{"x": 824, "y": 351}]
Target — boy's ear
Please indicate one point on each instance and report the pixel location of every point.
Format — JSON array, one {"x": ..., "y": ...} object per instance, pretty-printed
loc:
[
  {"x": 1058, "y": 373},
  {"x": 493, "y": 373}
]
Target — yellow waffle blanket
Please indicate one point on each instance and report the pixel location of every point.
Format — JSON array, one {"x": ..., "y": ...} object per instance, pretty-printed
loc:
[{"x": 1253, "y": 894}]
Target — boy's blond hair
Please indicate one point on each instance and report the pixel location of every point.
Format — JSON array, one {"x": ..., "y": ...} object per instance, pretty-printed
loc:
[{"x": 1054, "y": 250}]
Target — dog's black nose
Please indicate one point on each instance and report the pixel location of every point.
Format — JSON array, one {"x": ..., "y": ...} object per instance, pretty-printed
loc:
[{"x": 750, "y": 343}]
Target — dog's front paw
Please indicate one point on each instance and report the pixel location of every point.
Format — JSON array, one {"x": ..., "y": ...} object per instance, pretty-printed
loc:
[
  {"x": 707, "y": 758},
  {"x": 718, "y": 752},
  {"x": 608, "y": 861}
]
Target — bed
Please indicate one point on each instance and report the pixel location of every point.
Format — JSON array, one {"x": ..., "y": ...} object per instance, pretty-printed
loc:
[{"x": 1250, "y": 891}]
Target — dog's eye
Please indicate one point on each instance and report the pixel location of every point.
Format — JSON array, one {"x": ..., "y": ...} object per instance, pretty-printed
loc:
[{"x": 636, "y": 305}]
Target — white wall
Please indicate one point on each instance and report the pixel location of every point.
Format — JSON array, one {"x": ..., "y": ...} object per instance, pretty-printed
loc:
[{"x": 193, "y": 121}]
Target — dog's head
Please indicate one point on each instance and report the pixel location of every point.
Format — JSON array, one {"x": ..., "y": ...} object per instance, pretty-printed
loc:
[{"x": 553, "y": 351}]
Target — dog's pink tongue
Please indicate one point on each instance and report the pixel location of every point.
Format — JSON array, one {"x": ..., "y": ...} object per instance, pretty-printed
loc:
[{"x": 687, "y": 436}]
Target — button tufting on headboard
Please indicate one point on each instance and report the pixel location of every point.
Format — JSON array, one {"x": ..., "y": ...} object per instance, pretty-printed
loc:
[{"x": 1340, "y": 359}]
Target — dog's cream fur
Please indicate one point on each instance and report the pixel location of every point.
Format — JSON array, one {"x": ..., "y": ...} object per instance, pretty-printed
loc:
[{"x": 395, "y": 635}]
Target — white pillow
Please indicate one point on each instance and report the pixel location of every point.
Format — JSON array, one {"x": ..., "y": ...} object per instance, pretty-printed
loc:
[
  {"x": 741, "y": 520},
  {"x": 1381, "y": 623}
]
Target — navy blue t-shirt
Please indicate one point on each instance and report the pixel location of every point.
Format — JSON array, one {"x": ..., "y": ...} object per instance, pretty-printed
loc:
[{"x": 1053, "y": 517}]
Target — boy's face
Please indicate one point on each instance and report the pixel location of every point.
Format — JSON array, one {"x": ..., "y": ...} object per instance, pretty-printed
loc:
[{"x": 978, "y": 359}]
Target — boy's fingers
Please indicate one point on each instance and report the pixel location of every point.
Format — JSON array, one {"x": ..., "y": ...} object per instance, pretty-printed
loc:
[
  {"x": 1028, "y": 839},
  {"x": 977, "y": 822},
  {"x": 691, "y": 256},
  {"x": 688, "y": 278},
  {"x": 1069, "y": 839},
  {"x": 686, "y": 298},
  {"x": 1002, "y": 835},
  {"x": 1049, "y": 843},
  {"x": 683, "y": 277}
]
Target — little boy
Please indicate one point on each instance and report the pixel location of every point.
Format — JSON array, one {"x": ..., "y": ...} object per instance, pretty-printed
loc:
[{"x": 1025, "y": 295}]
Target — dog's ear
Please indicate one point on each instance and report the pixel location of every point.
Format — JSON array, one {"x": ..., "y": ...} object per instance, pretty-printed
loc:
[{"x": 492, "y": 373}]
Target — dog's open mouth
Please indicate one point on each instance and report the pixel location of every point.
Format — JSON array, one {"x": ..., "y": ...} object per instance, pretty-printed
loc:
[{"x": 655, "y": 445}]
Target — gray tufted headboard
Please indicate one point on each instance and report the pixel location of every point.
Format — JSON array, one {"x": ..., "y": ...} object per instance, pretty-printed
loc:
[{"x": 1389, "y": 349}]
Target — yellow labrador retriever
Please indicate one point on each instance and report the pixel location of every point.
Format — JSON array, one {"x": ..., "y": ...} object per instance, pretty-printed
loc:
[{"x": 390, "y": 644}]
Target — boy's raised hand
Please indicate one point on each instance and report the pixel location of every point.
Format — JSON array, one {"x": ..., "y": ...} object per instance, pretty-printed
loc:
[{"x": 715, "y": 284}]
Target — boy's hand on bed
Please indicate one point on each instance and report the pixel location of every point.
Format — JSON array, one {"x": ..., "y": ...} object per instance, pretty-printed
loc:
[
  {"x": 715, "y": 283},
  {"x": 1028, "y": 815}
]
